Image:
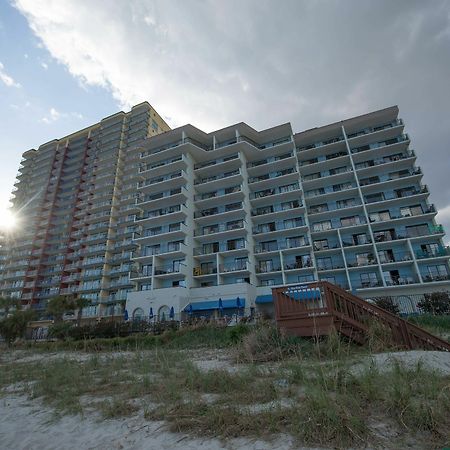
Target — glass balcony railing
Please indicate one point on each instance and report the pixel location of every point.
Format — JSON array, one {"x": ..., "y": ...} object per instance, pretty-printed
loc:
[
  {"x": 433, "y": 253},
  {"x": 218, "y": 228}
]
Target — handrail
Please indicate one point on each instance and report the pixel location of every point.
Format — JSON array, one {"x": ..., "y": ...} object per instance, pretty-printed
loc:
[{"x": 306, "y": 304}]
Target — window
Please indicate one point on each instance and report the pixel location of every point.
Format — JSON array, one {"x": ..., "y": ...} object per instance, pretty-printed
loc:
[
  {"x": 379, "y": 216},
  {"x": 152, "y": 250},
  {"x": 372, "y": 198},
  {"x": 145, "y": 287},
  {"x": 417, "y": 230},
  {"x": 235, "y": 224},
  {"x": 268, "y": 246},
  {"x": 350, "y": 221},
  {"x": 288, "y": 188},
  {"x": 342, "y": 186},
  {"x": 211, "y": 229},
  {"x": 266, "y": 266},
  {"x": 321, "y": 244},
  {"x": 324, "y": 263},
  {"x": 345, "y": 203},
  {"x": 437, "y": 272},
  {"x": 264, "y": 210},
  {"x": 240, "y": 263},
  {"x": 293, "y": 223},
  {"x": 235, "y": 244},
  {"x": 408, "y": 211},
  {"x": 386, "y": 256},
  {"x": 207, "y": 268},
  {"x": 296, "y": 241},
  {"x": 318, "y": 208},
  {"x": 364, "y": 259},
  {"x": 322, "y": 226},
  {"x": 212, "y": 247},
  {"x": 369, "y": 180},
  {"x": 267, "y": 227},
  {"x": 337, "y": 170},
  {"x": 290, "y": 205},
  {"x": 233, "y": 206},
  {"x": 369, "y": 279},
  {"x": 270, "y": 282}
]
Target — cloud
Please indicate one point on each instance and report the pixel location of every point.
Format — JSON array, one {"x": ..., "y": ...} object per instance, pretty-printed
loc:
[
  {"x": 52, "y": 116},
  {"x": 44, "y": 65},
  {"x": 265, "y": 62},
  {"x": 6, "y": 79}
]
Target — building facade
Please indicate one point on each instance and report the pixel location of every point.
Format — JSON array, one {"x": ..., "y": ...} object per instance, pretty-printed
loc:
[
  {"x": 185, "y": 218},
  {"x": 75, "y": 199}
]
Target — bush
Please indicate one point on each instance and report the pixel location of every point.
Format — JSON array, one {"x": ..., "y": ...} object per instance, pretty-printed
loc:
[
  {"x": 60, "y": 330},
  {"x": 437, "y": 303},
  {"x": 15, "y": 325},
  {"x": 388, "y": 304}
]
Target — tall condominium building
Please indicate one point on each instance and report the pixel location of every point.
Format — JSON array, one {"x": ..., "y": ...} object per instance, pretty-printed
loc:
[
  {"x": 232, "y": 213},
  {"x": 75, "y": 198},
  {"x": 185, "y": 218}
]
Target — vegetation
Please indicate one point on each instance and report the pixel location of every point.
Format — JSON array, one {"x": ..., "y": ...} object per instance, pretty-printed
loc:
[
  {"x": 388, "y": 304},
  {"x": 340, "y": 406},
  {"x": 437, "y": 303},
  {"x": 61, "y": 304},
  {"x": 15, "y": 324}
]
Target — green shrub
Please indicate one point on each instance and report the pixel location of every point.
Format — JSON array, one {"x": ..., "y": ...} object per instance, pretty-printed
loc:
[
  {"x": 437, "y": 303},
  {"x": 60, "y": 330}
]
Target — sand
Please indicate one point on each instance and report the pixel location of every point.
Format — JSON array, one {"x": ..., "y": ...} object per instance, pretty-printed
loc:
[{"x": 26, "y": 425}]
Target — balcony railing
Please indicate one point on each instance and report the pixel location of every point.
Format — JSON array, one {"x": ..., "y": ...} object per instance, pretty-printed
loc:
[
  {"x": 217, "y": 177},
  {"x": 401, "y": 138},
  {"x": 297, "y": 243},
  {"x": 428, "y": 278},
  {"x": 219, "y": 228},
  {"x": 443, "y": 251}
]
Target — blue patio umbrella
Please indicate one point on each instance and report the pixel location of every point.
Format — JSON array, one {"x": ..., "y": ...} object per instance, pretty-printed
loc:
[
  {"x": 150, "y": 314},
  {"x": 220, "y": 306},
  {"x": 172, "y": 313},
  {"x": 125, "y": 315}
]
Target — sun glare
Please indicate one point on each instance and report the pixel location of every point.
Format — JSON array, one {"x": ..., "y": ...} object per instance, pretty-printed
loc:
[{"x": 8, "y": 220}]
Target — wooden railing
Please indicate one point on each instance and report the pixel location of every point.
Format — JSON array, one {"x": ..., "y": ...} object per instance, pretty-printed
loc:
[{"x": 317, "y": 308}]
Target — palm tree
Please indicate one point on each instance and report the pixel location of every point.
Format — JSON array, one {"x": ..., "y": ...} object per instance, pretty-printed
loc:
[
  {"x": 79, "y": 304},
  {"x": 7, "y": 303},
  {"x": 58, "y": 305}
]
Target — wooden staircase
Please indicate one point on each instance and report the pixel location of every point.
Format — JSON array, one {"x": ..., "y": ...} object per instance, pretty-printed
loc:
[{"x": 316, "y": 309}]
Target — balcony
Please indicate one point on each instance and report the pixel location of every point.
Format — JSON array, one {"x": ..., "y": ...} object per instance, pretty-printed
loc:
[
  {"x": 398, "y": 139},
  {"x": 200, "y": 272},
  {"x": 170, "y": 269},
  {"x": 218, "y": 177},
  {"x": 428, "y": 278},
  {"x": 268, "y": 268},
  {"x": 298, "y": 265},
  {"x": 275, "y": 191},
  {"x": 400, "y": 281},
  {"x": 234, "y": 267},
  {"x": 276, "y": 246},
  {"x": 238, "y": 206},
  {"x": 314, "y": 145},
  {"x": 219, "y": 228},
  {"x": 220, "y": 248},
  {"x": 273, "y": 227},
  {"x": 439, "y": 252},
  {"x": 272, "y": 175}
]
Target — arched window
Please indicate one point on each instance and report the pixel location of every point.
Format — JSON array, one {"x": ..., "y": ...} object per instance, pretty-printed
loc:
[
  {"x": 163, "y": 313},
  {"x": 138, "y": 314}
]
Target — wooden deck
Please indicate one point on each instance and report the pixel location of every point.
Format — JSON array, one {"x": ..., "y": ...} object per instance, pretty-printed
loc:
[{"x": 316, "y": 309}]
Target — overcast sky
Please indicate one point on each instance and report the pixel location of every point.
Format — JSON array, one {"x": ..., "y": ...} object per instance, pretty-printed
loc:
[{"x": 65, "y": 64}]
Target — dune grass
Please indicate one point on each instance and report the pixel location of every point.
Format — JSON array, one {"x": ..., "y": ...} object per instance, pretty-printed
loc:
[{"x": 308, "y": 390}]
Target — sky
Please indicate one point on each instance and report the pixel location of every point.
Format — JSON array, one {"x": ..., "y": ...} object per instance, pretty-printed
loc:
[{"x": 65, "y": 64}]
